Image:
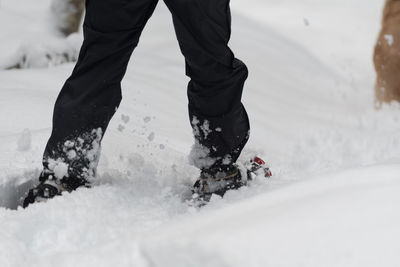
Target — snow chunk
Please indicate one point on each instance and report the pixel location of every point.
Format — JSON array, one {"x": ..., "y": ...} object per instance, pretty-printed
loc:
[
  {"x": 151, "y": 136},
  {"x": 197, "y": 126},
  {"x": 59, "y": 168},
  {"x": 121, "y": 128},
  {"x": 69, "y": 144},
  {"x": 147, "y": 119},
  {"x": 125, "y": 118},
  {"x": 206, "y": 128},
  {"x": 200, "y": 156},
  {"x": 71, "y": 154}
]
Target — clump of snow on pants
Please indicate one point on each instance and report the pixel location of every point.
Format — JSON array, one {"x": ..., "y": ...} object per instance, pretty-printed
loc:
[
  {"x": 59, "y": 168},
  {"x": 93, "y": 154},
  {"x": 200, "y": 155},
  {"x": 81, "y": 153}
]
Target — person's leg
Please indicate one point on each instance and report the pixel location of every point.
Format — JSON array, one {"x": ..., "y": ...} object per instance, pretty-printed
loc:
[
  {"x": 218, "y": 118},
  {"x": 92, "y": 93}
]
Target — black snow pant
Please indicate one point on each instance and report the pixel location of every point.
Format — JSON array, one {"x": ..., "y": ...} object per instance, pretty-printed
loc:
[{"x": 91, "y": 95}]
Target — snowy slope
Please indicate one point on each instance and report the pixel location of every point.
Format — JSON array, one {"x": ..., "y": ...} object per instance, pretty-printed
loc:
[
  {"x": 340, "y": 33},
  {"x": 345, "y": 219},
  {"x": 332, "y": 201}
]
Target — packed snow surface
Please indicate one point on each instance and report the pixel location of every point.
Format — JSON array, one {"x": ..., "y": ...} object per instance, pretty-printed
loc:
[{"x": 334, "y": 197}]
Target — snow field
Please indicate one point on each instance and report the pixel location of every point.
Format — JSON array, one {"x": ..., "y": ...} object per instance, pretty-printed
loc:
[{"x": 332, "y": 200}]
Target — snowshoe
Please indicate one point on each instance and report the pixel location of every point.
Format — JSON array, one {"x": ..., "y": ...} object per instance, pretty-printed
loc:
[
  {"x": 50, "y": 186},
  {"x": 41, "y": 193},
  {"x": 218, "y": 181}
]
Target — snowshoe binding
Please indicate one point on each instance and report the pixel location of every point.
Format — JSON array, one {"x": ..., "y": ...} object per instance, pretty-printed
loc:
[{"x": 257, "y": 167}]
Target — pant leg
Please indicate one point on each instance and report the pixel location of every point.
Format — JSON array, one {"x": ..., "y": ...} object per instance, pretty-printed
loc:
[
  {"x": 219, "y": 119},
  {"x": 91, "y": 95}
]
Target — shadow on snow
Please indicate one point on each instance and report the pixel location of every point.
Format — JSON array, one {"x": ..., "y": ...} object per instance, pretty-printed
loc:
[{"x": 13, "y": 191}]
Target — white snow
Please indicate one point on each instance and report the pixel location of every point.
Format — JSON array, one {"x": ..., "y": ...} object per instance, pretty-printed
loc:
[
  {"x": 25, "y": 140},
  {"x": 389, "y": 39},
  {"x": 61, "y": 170},
  {"x": 333, "y": 199}
]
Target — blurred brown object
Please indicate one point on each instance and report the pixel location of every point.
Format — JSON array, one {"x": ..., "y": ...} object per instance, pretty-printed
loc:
[
  {"x": 67, "y": 15},
  {"x": 387, "y": 55}
]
